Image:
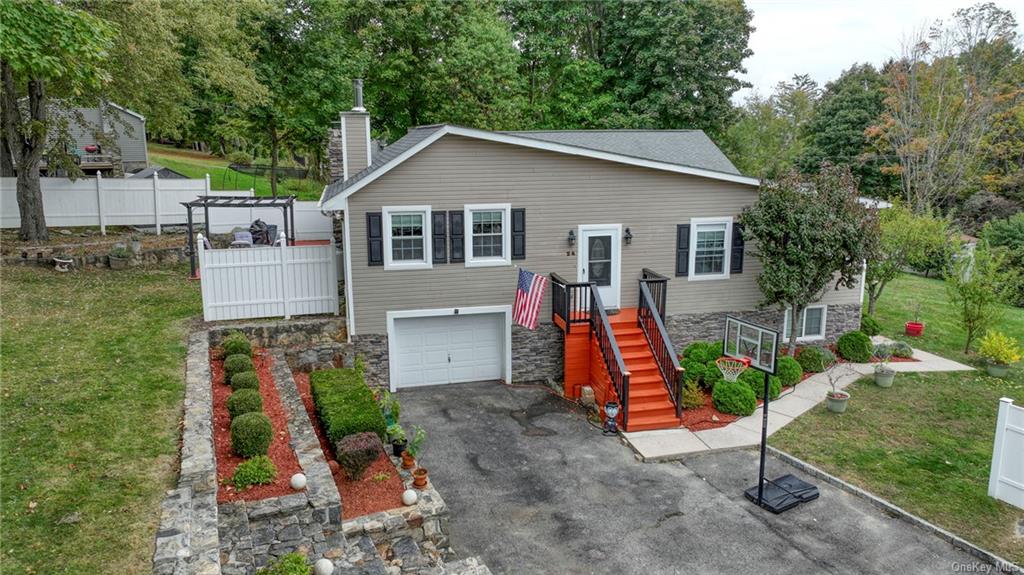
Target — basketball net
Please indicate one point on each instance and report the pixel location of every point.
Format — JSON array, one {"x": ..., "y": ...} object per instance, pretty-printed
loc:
[{"x": 732, "y": 367}]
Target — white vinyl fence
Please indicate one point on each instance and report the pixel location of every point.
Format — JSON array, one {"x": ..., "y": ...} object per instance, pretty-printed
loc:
[
  {"x": 1006, "y": 479},
  {"x": 268, "y": 281},
  {"x": 148, "y": 202}
]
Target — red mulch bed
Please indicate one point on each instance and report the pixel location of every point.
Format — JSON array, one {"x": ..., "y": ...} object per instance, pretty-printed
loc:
[
  {"x": 701, "y": 418},
  {"x": 368, "y": 495},
  {"x": 280, "y": 452}
]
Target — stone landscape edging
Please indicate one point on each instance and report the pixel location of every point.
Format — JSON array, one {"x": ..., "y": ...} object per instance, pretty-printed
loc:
[{"x": 1001, "y": 565}]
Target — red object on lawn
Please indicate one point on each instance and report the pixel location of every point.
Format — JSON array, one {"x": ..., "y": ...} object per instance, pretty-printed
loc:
[{"x": 915, "y": 328}]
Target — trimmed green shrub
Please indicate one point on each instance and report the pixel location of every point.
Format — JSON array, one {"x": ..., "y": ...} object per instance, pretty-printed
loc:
[
  {"x": 815, "y": 359},
  {"x": 245, "y": 380},
  {"x": 236, "y": 344},
  {"x": 344, "y": 404},
  {"x": 239, "y": 157},
  {"x": 256, "y": 471},
  {"x": 902, "y": 349},
  {"x": 244, "y": 401},
  {"x": 699, "y": 362},
  {"x": 692, "y": 396},
  {"x": 788, "y": 370},
  {"x": 870, "y": 325},
  {"x": 357, "y": 451},
  {"x": 236, "y": 364},
  {"x": 735, "y": 398},
  {"x": 251, "y": 434},
  {"x": 712, "y": 375},
  {"x": 855, "y": 346},
  {"x": 290, "y": 564},
  {"x": 755, "y": 379}
]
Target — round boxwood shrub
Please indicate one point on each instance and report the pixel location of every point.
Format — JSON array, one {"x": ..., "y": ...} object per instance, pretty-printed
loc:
[
  {"x": 244, "y": 401},
  {"x": 256, "y": 471},
  {"x": 251, "y": 434},
  {"x": 245, "y": 380},
  {"x": 236, "y": 344},
  {"x": 755, "y": 379},
  {"x": 735, "y": 398},
  {"x": 815, "y": 359},
  {"x": 236, "y": 364},
  {"x": 712, "y": 375},
  {"x": 855, "y": 346},
  {"x": 870, "y": 325},
  {"x": 788, "y": 371}
]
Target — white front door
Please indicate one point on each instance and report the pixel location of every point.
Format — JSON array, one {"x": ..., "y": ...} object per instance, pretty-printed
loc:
[
  {"x": 448, "y": 349},
  {"x": 598, "y": 260}
]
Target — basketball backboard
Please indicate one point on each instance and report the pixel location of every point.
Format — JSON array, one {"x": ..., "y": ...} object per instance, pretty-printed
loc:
[{"x": 746, "y": 340}]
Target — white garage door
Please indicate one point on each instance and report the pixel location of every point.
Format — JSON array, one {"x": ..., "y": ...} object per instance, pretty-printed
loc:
[{"x": 449, "y": 349}]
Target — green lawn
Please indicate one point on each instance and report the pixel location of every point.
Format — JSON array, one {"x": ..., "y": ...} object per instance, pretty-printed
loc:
[
  {"x": 223, "y": 178},
  {"x": 91, "y": 373},
  {"x": 926, "y": 443}
]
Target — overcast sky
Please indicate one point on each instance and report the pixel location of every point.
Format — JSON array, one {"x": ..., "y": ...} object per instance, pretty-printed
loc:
[{"x": 824, "y": 37}]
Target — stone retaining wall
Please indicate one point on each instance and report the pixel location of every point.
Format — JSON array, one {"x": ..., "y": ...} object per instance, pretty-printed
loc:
[
  {"x": 286, "y": 333},
  {"x": 44, "y": 257}
]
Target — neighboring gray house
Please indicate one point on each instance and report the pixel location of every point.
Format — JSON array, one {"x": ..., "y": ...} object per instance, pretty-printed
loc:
[
  {"x": 108, "y": 138},
  {"x": 437, "y": 225}
]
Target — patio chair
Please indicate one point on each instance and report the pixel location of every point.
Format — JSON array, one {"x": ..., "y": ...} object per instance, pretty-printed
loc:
[{"x": 242, "y": 240}]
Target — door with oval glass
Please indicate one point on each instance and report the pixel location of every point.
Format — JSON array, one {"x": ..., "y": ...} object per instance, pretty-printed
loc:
[{"x": 598, "y": 260}]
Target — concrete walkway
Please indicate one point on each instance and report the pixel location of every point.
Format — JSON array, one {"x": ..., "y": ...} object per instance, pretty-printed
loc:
[{"x": 667, "y": 444}]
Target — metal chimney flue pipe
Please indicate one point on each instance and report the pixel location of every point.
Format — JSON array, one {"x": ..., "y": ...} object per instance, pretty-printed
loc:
[{"x": 357, "y": 95}]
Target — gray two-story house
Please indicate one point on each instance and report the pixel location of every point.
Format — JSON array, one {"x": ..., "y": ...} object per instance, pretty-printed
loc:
[{"x": 437, "y": 224}]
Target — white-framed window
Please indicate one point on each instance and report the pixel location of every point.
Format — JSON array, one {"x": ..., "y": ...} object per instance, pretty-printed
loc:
[
  {"x": 487, "y": 234},
  {"x": 812, "y": 323},
  {"x": 407, "y": 238},
  {"x": 710, "y": 240}
]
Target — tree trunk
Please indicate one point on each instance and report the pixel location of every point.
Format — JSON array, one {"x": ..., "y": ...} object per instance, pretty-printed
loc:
[
  {"x": 795, "y": 314},
  {"x": 6, "y": 160},
  {"x": 26, "y": 150},
  {"x": 30, "y": 206}
]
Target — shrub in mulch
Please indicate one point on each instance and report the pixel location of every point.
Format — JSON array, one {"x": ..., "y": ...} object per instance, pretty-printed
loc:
[
  {"x": 755, "y": 380},
  {"x": 251, "y": 434},
  {"x": 344, "y": 404},
  {"x": 870, "y": 325},
  {"x": 815, "y": 359},
  {"x": 236, "y": 344},
  {"x": 693, "y": 398},
  {"x": 855, "y": 346},
  {"x": 356, "y": 452},
  {"x": 788, "y": 370},
  {"x": 245, "y": 380},
  {"x": 258, "y": 470},
  {"x": 245, "y": 401},
  {"x": 734, "y": 397},
  {"x": 236, "y": 364}
]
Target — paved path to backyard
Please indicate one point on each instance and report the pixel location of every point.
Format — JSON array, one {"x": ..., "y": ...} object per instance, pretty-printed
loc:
[
  {"x": 669, "y": 444},
  {"x": 534, "y": 488}
]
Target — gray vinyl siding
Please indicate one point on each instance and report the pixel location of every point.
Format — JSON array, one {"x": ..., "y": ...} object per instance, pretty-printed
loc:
[
  {"x": 130, "y": 131},
  {"x": 559, "y": 192},
  {"x": 355, "y": 141}
]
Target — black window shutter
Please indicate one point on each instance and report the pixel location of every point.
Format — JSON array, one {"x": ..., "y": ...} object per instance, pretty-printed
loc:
[
  {"x": 736, "y": 257},
  {"x": 439, "y": 236},
  {"x": 519, "y": 233},
  {"x": 375, "y": 238},
  {"x": 456, "y": 223},
  {"x": 683, "y": 249}
]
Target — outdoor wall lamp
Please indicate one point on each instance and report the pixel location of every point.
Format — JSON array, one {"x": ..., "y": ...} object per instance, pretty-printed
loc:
[
  {"x": 611, "y": 411},
  {"x": 572, "y": 238},
  {"x": 628, "y": 236}
]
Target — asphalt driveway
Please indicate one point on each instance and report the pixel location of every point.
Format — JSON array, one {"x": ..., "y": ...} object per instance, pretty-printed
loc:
[{"x": 534, "y": 488}]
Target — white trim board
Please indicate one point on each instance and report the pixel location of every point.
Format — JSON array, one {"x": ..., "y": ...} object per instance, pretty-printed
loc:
[
  {"x": 334, "y": 203},
  {"x": 443, "y": 312}
]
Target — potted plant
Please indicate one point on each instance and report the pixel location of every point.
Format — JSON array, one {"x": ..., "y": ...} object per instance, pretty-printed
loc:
[
  {"x": 915, "y": 328},
  {"x": 1000, "y": 351},
  {"x": 389, "y": 406},
  {"x": 119, "y": 257},
  {"x": 62, "y": 262},
  {"x": 409, "y": 455},
  {"x": 884, "y": 374},
  {"x": 396, "y": 434},
  {"x": 836, "y": 399}
]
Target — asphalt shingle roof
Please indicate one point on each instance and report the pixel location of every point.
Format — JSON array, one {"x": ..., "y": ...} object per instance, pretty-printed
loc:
[{"x": 690, "y": 148}]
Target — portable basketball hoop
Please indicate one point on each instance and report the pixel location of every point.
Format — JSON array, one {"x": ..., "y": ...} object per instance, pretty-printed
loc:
[{"x": 732, "y": 367}]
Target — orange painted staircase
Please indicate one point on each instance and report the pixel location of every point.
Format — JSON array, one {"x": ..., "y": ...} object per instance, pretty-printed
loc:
[{"x": 650, "y": 406}]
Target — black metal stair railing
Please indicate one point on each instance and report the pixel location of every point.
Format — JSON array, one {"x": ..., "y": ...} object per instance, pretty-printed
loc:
[
  {"x": 650, "y": 315},
  {"x": 601, "y": 327}
]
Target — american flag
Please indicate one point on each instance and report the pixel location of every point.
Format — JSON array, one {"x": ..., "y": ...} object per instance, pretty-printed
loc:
[{"x": 529, "y": 294}]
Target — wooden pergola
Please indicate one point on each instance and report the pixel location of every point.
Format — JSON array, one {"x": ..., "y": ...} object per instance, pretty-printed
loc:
[{"x": 286, "y": 203}]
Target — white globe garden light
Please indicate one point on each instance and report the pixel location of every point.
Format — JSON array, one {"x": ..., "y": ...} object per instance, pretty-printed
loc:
[
  {"x": 298, "y": 481},
  {"x": 323, "y": 567},
  {"x": 410, "y": 497}
]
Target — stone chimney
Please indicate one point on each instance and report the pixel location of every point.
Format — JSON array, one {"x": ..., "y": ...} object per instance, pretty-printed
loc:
[{"x": 349, "y": 149}]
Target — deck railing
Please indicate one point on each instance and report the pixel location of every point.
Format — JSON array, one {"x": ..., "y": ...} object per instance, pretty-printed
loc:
[
  {"x": 650, "y": 315},
  {"x": 602, "y": 330},
  {"x": 569, "y": 301}
]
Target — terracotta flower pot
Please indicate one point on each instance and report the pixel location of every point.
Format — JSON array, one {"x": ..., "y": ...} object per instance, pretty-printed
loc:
[
  {"x": 419, "y": 478},
  {"x": 914, "y": 328},
  {"x": 408, "y": 461}
]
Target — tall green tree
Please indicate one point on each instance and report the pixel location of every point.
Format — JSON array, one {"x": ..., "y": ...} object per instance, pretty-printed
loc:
[
  {"x": 811, "y": 234},
  {"x": 975, "y": 289},
  {"x": 47, "y": 50}
]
